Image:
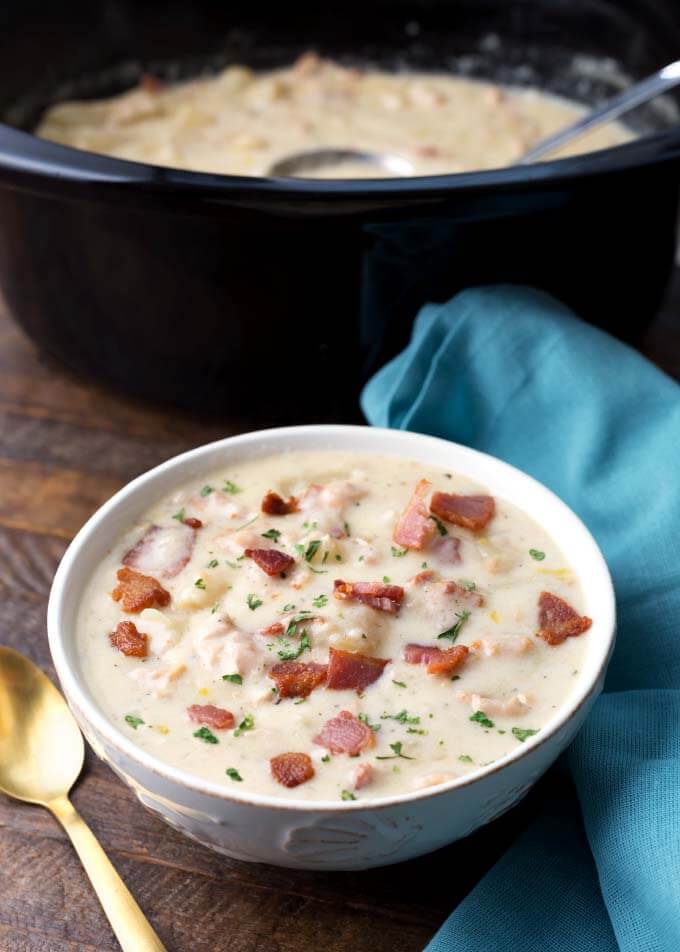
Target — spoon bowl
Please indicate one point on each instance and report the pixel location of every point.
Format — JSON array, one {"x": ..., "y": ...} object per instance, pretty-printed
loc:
[{"x": 41, "y": 747}]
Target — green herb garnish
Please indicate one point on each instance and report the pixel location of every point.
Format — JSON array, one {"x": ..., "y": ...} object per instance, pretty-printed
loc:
[
  {"x": 415, "y": 730},
  {"x": 133, "y": 721},
  {"x": 206, "y": 490},
  {"x": 320, "y": 601},
  {"x": 400, "y": 684},
  {"x": 346, "y": 528},
  {"x": 233, "y": 565},
  {"x": 347, "y": 795},
  {"x": 295, "y": 621},
  {"x": 386, "y": 579},
  {"x": 179, "y": 515},
  {"x": 272, "y": 534},
  {"x": 326, "y": 759},
  {"x": 364, "y": 720},
  {"x": 199, "y": 583},
  {"x": 233, "y": 774},
  {"x": 212, "y": 564},
  {"x": 206, "y": 735},
  {"x": 455, "y": 630},
  {"x": 466, "y": 759},
  {"x": 247, "y": 724},
  {"x": 288, "y": 608},
  {"x": 253, "y": 602},
  {"x": 231, "y": 488},
  {"x": 479, "y": 717},
  {"x": 215, "y": 608},
  {"x": 398, "y": 553},
  {"x": 537, "y": 555},
  {"x": 441, "y": 528},
  {"x": 467, "y": 584},
  {"x": 312, "y": 549},
  {"x": 403, "y": 717},
  {"x": 234, "y": 678},
  {"x": 292, "y": 654},
  {"x": 396, "y": 747},
  {"x": 522, "y": 733}
]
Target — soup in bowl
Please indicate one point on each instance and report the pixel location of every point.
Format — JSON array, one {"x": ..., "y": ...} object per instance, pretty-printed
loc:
[{"x": 331, "y": 647}]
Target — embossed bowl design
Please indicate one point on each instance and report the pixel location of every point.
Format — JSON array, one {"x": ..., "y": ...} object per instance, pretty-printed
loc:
[{"x": 329, "y": 835}]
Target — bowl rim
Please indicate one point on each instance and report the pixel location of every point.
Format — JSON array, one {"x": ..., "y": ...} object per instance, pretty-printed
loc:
[
  {"x": 27, "y": 155},
  {"x": 77, "y": 694}
]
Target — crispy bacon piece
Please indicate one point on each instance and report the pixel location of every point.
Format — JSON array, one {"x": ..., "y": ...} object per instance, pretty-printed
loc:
[
  {"x": 558, "y": 621},
  {"x": 449, "y": 587},
  {"x": 423, "y": 578},
  {"x": 150, "y": 83},
  {"x": 276, "y": 629},
  {"x": 345, "y": 734},
  {"x": 136, "y": 591},
  {"x": 290, "y": 770},
  {"x": 471, "y": 512},
  {"x": 162, "y": 550},
  {"x": 352, "y": 670},
  {"x": 271, "y": 561},
  {"x": 275, "y": 505},
  {"x": 126, "y": 638},
  {"x": 414, "y": 528},
  {"x": 216, "y": 717},
  {"x": 192, "y": 522},
  {"x": 386, "y": 598},
  {"x": 438, "y": 660},
  {"x": 361, "y": 776},
  {"x": 298, "y": 678}
]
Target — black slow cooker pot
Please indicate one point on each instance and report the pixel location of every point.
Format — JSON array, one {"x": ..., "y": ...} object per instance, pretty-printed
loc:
[{"x": 276, "y": 298}]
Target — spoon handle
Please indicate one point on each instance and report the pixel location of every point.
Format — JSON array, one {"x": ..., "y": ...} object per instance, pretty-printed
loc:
[{"x": 131, "y": 926}]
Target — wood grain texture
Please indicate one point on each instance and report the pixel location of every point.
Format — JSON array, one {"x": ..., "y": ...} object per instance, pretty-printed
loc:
[{"x": 65, "y": 446}]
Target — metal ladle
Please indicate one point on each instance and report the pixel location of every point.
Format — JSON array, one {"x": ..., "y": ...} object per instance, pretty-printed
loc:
[{"x": 312, "y": 160}]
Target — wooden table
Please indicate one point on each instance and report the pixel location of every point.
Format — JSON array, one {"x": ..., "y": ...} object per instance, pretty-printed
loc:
[{"x": 65, "y": 447}]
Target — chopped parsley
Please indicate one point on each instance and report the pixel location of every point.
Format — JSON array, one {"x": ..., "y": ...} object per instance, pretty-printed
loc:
[
  {"x": 415, "y": 730},
  {"x": 233, "y": 565},
  {"x": 398, "y": 553},
  {"x": 234, "y": 678},
  {"x": 248, "y": 523},
  {"x": 295, "y": 621},
  {"x": 179, "y": 515},
  {"x": 441, "y": 528},
  {"x": 364, "y": 720},
  {"x": 396, "y": 748},
  {"x": 466, "y": 759},
  {"x": 133, "y": 721},
  {"x": 347, "y": 795},
  {"x": 320, "y": 601},
  {"x": 288, "y": 608},
  {"x": 326, "y": 759},
  {"x": 273, "y": 534},
  {"x": 291, "y": 654},
  {"x": 231, "y": 488},
  {"x": 522, "y": 733},
  {"x": 212, "y": 564},
  {"x": 423, "y": 565},
  {"x": 386, "y": 579},
  {"x": 312, "y": 549},
  {"x": 455, "y": 630},
  {"x": 233, "y": 774},
  {"x": 253, "y": 602},
  {"x": 206, "y": 490},
  {"x": 215, "y": 608},
  {"x": 537, "y": 555},
  {"x": 467, "y": 584},
  {"x": 338, "y": 557},
  {"x": 479, "y": 717},
  {"x": 206, "y": 735},
  {"x": 310, "y": 526},
  {"x": 199, "y": 583},
  {"x": 403, "y": 717},
  {"x": 247, "y": 724},
  {"x": 346, "y": 528},
  {"x": 400, "y": 684},
  {"x": 317, "y": 571}
]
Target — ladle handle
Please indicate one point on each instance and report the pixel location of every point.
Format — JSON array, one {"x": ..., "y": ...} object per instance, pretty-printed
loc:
[
  {"x": 634, "y": 96},
  {"x": 129, "y": 923}
]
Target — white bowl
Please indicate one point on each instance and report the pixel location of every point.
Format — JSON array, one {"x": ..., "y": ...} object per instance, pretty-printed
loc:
[{"x": 323, "y": 834}]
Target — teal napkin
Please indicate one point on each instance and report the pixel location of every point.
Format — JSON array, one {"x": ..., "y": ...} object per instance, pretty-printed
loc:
[{"x": 511, "y": 371}]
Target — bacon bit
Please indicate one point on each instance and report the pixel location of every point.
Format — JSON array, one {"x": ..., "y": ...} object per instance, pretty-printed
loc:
[
  {"x": 447, "y": 549},
  {"x": 350, "y": 669},
  {"x": 450, "y": 587},
  {"x": 361, "y": 776},
  {"x": 558, "y": 621},
  {"x": 385, "y": 598},
  {"x": 192, "y": 522},
  {"x": 275, "y": 505},
  {"x": 162, "y": 550},
  {"x": 271, "y": 561},
  {"x": 215, "y": 717},
  {"x": 275, "y": 629},
  {"x": 414, "y": 528},
  {"x": 132, "y": 643},
  {"x": 422, "y": 578},
  {"x": 345, "y": 734},
  {"x": 136, "y": 591},
  {"x": 150, "y": 83},
  {"x": 298, "y": 678},
  {"x": 290, "y": 770},
  {"x": 471, "y": 512},
  {"x": 438, "y": 661}
]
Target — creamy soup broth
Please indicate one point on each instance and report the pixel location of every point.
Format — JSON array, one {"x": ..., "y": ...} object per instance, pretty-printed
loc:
[
  {"x": 240, "y": 121},
  {"x": 477, "y": 660}
]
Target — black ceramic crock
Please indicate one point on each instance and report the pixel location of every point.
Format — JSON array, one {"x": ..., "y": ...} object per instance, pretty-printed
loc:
[{"x": 278, "y": 298}]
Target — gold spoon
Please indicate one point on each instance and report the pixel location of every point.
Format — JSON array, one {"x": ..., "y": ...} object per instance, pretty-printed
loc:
[{"x": 41, "y": 755}]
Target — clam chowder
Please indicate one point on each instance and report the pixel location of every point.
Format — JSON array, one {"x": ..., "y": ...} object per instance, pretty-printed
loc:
[{"x": 332, "y": 627}]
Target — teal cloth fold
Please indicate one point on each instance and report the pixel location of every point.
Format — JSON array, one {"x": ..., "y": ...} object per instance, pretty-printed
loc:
[{"x": 512, "y": 372}]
